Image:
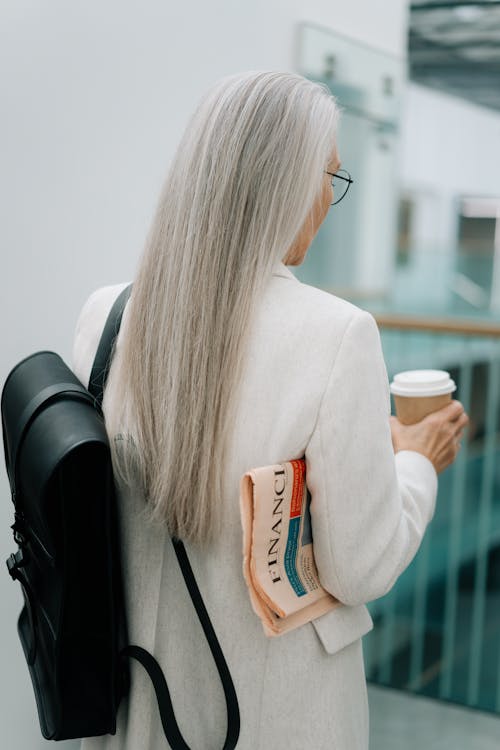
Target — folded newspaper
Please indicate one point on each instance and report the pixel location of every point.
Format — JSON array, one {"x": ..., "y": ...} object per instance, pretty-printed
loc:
[{"x": 278, "y": 559}]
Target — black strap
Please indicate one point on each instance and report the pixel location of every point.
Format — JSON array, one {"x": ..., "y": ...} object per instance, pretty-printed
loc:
[
  {"x": 102, "y": 360},
  {"x": 233, "y": 711},
  {"x": 168, "y": 720},
  {"x": 98, "y": 377},
  {"x": 167, "y": 714}
]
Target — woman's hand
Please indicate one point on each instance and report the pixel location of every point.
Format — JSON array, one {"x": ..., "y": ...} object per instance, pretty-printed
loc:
[{"x": 437, "y": 436}]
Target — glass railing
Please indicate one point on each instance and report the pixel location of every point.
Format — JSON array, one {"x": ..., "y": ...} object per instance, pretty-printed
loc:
[
  {"x": 434, "y": 280},
  {"x": 437, "y": 631}
]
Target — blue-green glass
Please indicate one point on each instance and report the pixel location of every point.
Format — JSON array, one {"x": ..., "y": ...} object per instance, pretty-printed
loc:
[{"x": 442, "y": 618}]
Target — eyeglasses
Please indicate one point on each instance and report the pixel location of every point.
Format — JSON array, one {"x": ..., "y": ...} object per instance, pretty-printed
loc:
[{"x": 341, "y": 181}]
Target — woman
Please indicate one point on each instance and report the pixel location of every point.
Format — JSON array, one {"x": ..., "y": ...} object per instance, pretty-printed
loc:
[{"x": 226, "y": 362}]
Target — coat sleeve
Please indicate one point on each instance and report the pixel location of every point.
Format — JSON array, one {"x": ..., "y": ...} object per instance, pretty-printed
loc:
[{"x": 369, "y": 508}]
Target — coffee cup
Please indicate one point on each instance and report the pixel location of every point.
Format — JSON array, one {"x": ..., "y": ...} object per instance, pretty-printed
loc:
[{"x": 418, "y": 393}]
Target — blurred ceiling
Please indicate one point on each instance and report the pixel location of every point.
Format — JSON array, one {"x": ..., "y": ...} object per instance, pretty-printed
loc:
[{"x": 455, "y": 47}]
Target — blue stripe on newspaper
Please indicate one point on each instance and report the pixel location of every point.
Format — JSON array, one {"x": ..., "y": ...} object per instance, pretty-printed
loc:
[{"x": 291, "y": 556}]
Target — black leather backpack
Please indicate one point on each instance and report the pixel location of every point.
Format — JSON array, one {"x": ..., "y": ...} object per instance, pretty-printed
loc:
[{"x": 72, "y": 626}]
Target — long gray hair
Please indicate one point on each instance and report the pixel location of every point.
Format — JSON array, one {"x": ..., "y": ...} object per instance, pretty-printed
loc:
[{"x": 240, "y": 188}]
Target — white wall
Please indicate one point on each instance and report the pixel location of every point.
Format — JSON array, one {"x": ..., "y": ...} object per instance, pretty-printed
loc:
[
  {"x": 93, "y": 98},
  {"x": 449, "y": 148},
  {"x": 449, "y": 144}
]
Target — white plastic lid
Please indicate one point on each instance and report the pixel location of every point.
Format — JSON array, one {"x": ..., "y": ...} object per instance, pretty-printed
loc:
[{"x": 414, "y": 383}]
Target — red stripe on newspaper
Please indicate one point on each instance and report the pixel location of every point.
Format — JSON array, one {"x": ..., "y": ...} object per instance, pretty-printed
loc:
[{"x": 299, "y": 470}]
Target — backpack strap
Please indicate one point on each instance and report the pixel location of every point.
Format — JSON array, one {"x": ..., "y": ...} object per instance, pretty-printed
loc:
[
  {"x": 104, "y": 354},
  {"x": 167, "y": 715},
  {"x": 233, "y": 711},
  {"x": 97, "y": 383}
]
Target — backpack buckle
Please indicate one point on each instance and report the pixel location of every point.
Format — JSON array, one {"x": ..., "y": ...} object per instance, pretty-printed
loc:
[{"x": 14, "y": 561}]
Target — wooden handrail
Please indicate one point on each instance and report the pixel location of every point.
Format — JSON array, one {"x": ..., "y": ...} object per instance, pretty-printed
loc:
[{"x": 461, "y": 326}]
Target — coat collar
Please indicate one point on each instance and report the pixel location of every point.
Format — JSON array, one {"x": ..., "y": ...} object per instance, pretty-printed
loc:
[{"x": 281, "y": 270}]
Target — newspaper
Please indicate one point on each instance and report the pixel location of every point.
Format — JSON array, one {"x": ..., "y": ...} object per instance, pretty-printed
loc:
[{"x": 278, "y": 559}]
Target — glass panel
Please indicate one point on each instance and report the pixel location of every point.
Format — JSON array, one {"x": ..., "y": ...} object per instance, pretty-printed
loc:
[
  {"x": 355, "y": 246},
  {"x": 436, "y": 633}
]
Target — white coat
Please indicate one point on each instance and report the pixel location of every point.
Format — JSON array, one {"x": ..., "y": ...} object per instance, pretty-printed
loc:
[{"x": 316, "y": 385}]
